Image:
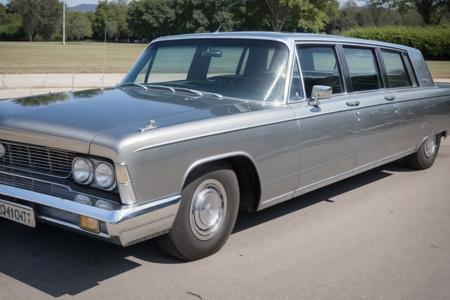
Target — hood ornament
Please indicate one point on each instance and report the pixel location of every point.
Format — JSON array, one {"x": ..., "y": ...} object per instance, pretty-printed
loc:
[{"x": 150, "y": 126}]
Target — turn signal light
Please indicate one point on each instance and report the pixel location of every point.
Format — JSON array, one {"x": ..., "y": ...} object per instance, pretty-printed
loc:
[{"x": 89, "y": 224}]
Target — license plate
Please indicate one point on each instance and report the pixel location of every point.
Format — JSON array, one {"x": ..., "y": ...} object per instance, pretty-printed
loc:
[{"x": 18, "y": 213}]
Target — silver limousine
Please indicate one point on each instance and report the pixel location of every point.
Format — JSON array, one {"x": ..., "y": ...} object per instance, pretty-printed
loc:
[{"x": 207, "y": 125}]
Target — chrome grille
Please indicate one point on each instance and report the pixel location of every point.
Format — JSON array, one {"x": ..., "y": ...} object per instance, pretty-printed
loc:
[{"x": 37, "y": 159}]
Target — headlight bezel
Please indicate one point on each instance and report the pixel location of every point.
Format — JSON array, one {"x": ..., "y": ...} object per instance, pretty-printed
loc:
[{"x": 92, "y": 180}]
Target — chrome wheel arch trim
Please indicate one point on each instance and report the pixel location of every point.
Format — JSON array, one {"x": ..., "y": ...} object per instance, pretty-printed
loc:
[{"x": 216, "y": 158}]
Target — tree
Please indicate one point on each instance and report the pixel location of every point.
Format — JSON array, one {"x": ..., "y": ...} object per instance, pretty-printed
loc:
[
  {"x": 432, "y": 11},
  {"x": 381, "y": 11},
  {"x": 349, "y": 16},
  {"x": 151, "y": 18},
  {"x": 204, "y": 15},
  {"x": 40, "y": 16},
  {"x": 78, "y": 26},
  {"x": 112, "y": 16},
  {"x": 306, "y": 15},
  {"x": 10, "y": 23}
]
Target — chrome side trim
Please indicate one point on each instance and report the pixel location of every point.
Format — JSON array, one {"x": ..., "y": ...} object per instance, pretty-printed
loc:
[
  {"x": 194, "y": 137},
  {"x": 276, "y": 200}
]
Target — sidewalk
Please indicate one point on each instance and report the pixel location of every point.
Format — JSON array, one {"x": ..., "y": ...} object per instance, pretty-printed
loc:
[{"x": 20, "y": 85}]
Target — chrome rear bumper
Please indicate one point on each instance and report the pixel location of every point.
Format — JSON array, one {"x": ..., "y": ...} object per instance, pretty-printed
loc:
[{"x": 124, "y": 225}]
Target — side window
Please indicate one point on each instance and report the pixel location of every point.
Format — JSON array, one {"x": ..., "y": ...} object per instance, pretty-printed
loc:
[
  {"x": 396, "y": 73},
  {"x": 320, "y": 66},
  {"x": 363, "y": 68},
  {"x": 296, "y": 92}
]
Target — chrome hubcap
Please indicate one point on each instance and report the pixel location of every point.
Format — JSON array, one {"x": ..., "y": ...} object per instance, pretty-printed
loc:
[
  {"x": 208, "y": 209},
  {"x": 430, "y": 146}
]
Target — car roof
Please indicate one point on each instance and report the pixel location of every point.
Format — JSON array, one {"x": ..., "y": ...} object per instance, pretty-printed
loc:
[{"x": 286, "y": 37}]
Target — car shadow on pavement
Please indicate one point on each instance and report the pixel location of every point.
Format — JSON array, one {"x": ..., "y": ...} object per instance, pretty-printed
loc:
[
  {"x": 59, "y": 262},
  {"x": 327, "y": 193}
]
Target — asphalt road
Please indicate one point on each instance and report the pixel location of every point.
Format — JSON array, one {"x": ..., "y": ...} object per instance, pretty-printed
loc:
[{"x": 384, "y": 234}]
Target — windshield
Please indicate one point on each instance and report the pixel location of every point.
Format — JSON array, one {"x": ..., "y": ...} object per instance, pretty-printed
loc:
[{"x": 246, "y": 69}]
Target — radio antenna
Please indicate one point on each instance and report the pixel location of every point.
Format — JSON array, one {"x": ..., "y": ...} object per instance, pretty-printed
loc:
[
  {"x": 218, "y": 29},
  {"x": 104, "y": 60}
]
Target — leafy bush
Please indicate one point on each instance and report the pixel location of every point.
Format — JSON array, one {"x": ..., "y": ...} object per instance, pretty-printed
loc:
[{"x": 433, "y": 41}]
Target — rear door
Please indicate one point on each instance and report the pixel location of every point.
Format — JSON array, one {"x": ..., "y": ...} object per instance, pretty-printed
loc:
[
  {"x": 378, "y": 123},
  {"x": 414, "y": 110}
]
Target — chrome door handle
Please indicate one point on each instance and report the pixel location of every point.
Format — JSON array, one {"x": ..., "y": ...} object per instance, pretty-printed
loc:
[
  {"x": 353, "y": 103},
  {"x": 389, "y": 98}
]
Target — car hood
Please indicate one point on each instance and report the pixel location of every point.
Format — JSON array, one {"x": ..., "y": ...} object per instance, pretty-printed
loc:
[{"x": 71, "y": 120}]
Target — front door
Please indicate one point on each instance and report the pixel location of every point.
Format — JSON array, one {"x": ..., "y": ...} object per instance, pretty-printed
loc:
[{"x": 327, "y": 131}]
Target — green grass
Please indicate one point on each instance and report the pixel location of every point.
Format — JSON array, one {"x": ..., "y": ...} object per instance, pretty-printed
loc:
[
  {"x": 25, "y": 57},
  {"x": 439, "y": 69}
]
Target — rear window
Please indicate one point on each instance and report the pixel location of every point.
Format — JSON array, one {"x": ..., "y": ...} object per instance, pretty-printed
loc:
[{"x": 396, "y": 73}]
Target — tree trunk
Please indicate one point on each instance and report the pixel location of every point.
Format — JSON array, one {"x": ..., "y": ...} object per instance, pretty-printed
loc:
[{"x": 424, "y": 8}]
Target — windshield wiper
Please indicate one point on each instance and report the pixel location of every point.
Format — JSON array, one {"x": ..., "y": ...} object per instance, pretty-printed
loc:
[
  {"x": 133, "y": 84},
  {"x": 191, "y": 91},
  {"x": 173, "y": 90},
  {"x": 199, "y": 93},
  {"x": 160, "y": 87}
]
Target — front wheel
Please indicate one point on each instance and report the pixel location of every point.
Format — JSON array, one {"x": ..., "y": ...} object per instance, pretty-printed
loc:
[
  {"x": 207, "y": 214},
  {"x": 426, "y": 155}
]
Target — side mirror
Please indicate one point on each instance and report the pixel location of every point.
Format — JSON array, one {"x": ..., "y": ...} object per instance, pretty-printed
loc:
[{"x": 319, "y": 92}]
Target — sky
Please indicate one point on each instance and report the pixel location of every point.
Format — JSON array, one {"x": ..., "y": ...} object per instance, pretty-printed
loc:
[{"x": 69, "y": 2}]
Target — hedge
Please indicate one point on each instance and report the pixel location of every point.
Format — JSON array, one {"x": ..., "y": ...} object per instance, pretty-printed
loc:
[{"x": 433, "y": 41}]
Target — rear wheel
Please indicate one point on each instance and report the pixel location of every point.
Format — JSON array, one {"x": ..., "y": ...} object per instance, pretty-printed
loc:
[
  {"x": 207, "y": 214},
  {"x": 426, "y": 155}
]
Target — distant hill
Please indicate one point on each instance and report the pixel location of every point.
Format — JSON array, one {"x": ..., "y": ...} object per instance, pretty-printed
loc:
[{"x": 83, "y": 7}]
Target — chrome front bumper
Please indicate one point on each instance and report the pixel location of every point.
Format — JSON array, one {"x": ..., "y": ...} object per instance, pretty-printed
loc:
[{"x": 124, "y": 225}]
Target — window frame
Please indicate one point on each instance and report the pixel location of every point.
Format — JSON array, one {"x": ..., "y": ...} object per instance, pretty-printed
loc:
[
  {"x": 296, "y": 60},
  {"x": 335, "y": 47},
  {"x": 383, "y": 66},
  {"x": 348, "y": 90},
  {"x": 377, "y": 62},
  {"x": 411, "y": 71}
]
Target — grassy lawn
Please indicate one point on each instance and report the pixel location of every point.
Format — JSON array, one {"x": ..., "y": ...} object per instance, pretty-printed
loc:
[
  {"x": 24, "y": 57},
  {"x": 439, "y": 69}
]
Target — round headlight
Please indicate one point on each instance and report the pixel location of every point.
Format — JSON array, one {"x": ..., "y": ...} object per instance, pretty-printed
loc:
[
  {"x": 82, "y": 170},
  {"x": 104, "y": 175}
]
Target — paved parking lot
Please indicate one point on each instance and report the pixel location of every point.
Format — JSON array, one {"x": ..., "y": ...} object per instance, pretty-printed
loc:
[{"x": 384, "y": 234}]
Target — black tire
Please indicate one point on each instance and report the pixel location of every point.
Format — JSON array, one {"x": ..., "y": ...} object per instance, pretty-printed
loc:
[
  {"x": 182, "y": 242},
  {"x": 421, "y": 161}
]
